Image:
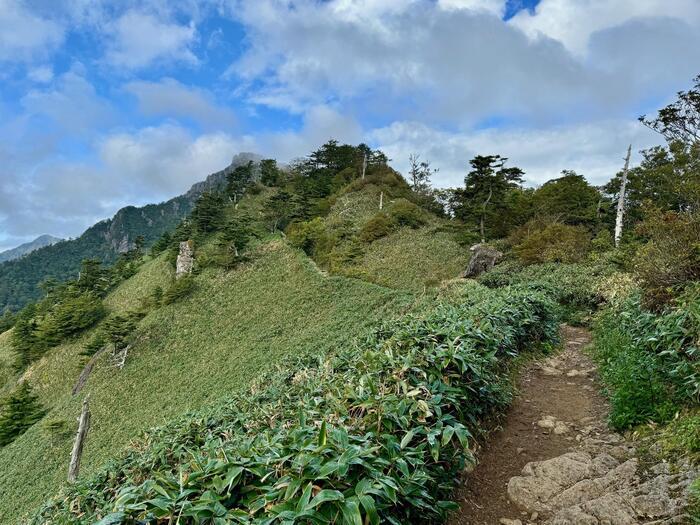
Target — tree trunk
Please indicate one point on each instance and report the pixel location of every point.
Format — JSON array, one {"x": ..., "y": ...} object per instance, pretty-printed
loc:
[
  {"x": 83, "y": 427},
  {"x": 364, "y": 165},
  {"x": 381, "y": 200},
  {"x": 483, "y": 215},
  {"x": 621, "y": 199}
]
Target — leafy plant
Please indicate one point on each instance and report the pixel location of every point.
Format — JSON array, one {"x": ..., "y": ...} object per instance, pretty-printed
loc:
[{"x": 375, "y": 434}]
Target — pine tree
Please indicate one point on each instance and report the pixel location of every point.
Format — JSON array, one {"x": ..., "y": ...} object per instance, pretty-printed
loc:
[
  {"x": 208, "y": 212},
  {"x": 19, "y": 412}
]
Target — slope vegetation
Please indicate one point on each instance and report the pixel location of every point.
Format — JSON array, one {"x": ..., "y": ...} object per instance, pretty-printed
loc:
[{"x": 212, "y": 344}]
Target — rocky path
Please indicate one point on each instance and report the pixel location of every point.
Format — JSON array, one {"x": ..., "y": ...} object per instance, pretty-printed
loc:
[{"x": 555, "y": 461}]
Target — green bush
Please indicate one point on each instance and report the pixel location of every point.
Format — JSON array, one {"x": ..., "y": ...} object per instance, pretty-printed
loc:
[
  {"x": 670, "y": 260},
  {"x": 377, "y": 227},
  {"x": 73, "y": 314},
  {"x": 179, "y": 289},
  {"x": 648, "y": 361},
  {"x": 405, "y": 213},
  {"x": 376, "y": 434},
  {"x": 19, "y": 412},
  {"x": 560, "y": 243},
  {"x": 574, "y": 286}
]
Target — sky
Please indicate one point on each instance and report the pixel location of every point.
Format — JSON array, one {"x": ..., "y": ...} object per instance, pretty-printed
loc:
[{"x": 107, "y": 103}]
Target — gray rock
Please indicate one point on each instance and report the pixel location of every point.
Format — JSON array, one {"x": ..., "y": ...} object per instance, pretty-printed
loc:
[
  {"x": 185, "y": 259},
  {"x": 484, "y": 257}
]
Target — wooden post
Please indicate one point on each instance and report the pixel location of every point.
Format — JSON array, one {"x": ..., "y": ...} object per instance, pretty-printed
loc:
[
  {"x": 364, "y": 165},
  {"x": 621, "y": 199},
  {"x": 381, "y": 200},
  {"x": 83, "y": 427}
]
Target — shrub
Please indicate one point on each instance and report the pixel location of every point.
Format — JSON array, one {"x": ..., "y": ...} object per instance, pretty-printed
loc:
[
  {"x": 556, "y": 242},
  {"x": 377, "y": 434},
  {"x": 648, "y": 361},
  {"x": 671, "y": 258},
  {"x": 19, "y": 412},
  {"x": 179, "y": 289},
  {"x": 70, "y": 316},
  {"x": 574, "y": 286},
  {"x": 377, "y": 227},
  {"x": 405, "y": 213}
]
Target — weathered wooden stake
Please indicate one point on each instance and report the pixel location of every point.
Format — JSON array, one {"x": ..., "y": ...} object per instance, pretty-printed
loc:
[
  {"x": 83, "y": 427},
  {"x": 621, "y": 199}
]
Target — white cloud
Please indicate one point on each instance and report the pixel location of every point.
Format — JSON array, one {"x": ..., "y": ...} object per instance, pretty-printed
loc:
[
  {"x": 496, "y": 7},
  {"x": 72, "y": 104},
  {"x": 139, "y": 39},
  {"x": 163, "y": 161},
  {"x": 168, "y": 97},
  {"x": 320, "y": 124},
  {"x": 572, "y": 22},
  {"x": 23, "y": 35},
  {"x": 41, "y": 74},
  {"x": 594, "y": 149},
  {"x": 438, "y": 63}
]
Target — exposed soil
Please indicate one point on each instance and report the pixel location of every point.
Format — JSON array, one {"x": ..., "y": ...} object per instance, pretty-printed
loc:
[{"x": 561, "y": 389}]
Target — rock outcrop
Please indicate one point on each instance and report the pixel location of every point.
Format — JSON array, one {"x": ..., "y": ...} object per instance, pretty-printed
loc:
[
  {"x": 185, "y": 259},
  {"x": 602, "y": 484},
  {"x": 484, "y": 257}
]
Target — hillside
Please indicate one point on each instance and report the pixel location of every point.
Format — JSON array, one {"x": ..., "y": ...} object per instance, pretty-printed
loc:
[
  {"x": 323, "y": 362},
  {"x": 28, "y": 247},
  {"x": 19, "y": 279}
]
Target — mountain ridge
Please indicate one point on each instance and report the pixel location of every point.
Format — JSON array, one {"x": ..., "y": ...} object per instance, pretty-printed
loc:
[
  {"x": 28, "y": 247},
  {"x": 104, "y": 240}
]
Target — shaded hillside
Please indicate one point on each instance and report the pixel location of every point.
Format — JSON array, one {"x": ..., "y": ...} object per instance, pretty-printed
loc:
[
  {"x": 19, "y": 279},
  {"x": 28, "y": 247}
]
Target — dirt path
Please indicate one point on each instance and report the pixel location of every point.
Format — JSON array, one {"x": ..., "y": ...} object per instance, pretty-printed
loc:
[{"x": 554, "y": 461}]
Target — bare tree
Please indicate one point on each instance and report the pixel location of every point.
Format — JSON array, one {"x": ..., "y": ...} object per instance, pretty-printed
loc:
[
  {"x": 419, "y": 173},
  {"x": 83, "y": 427},
  {"x": 621, "y": 199}
]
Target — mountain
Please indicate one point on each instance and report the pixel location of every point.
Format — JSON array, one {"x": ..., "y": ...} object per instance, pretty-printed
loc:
[
  {"x": 104, "y": 241},
  {"x": 28, "y": 247}
]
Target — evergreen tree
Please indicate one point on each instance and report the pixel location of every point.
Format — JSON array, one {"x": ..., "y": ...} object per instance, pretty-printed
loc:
[
  {"x": 486, "y": 188},
  {"x": 269, "y": 172},
  {"x": 208, "y": 213},
  {"x": 24, "y": 340},
  {"x": 19, "y": 412},
  {"x": 569, "y": 199},
  {"x": 234, "y": 239},
  {"x": 239, "y": 181}
]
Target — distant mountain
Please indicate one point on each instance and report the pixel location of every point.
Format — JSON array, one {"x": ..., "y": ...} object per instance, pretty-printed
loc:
[
  {"x": 104, "y": 241},
  {"x": 28, "y": 247}
]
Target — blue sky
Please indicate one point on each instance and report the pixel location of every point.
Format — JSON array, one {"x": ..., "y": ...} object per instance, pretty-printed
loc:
[{"x": 109, "y": 103}]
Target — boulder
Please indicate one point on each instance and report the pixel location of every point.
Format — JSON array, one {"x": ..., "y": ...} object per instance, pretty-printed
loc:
[
  {"x": 185, "y": 259},
  {"x": 484, "y": 257}
]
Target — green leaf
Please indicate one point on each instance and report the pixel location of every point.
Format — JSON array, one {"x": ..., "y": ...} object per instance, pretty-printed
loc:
[
  {"x": 407, "y": 438},
  {"x": 324, "y": 496}
]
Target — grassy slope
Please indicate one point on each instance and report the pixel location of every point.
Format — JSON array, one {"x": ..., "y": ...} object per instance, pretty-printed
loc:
[
  {"x": 192, "y": 353},
  {"x": 407, "y": 258}
]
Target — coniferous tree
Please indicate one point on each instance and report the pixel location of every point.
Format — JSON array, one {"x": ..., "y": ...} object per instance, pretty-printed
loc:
[
  {"x": 269, "y": 172},
  {"x": 239, "y": 181},
  {"x": 19, "y": 412},
  {"x": 486, "y": 188},
  {"x": 208, "y": 213}
]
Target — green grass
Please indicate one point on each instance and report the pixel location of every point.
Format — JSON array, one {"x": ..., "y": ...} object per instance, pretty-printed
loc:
[
  {"x": 412, "y": 259},
  {"x": 407, "y": 258},
  {"x": 190, "y": 354}
]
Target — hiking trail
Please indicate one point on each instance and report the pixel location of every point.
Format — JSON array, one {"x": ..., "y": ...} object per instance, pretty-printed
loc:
[{"x": 556, "y": 462}]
